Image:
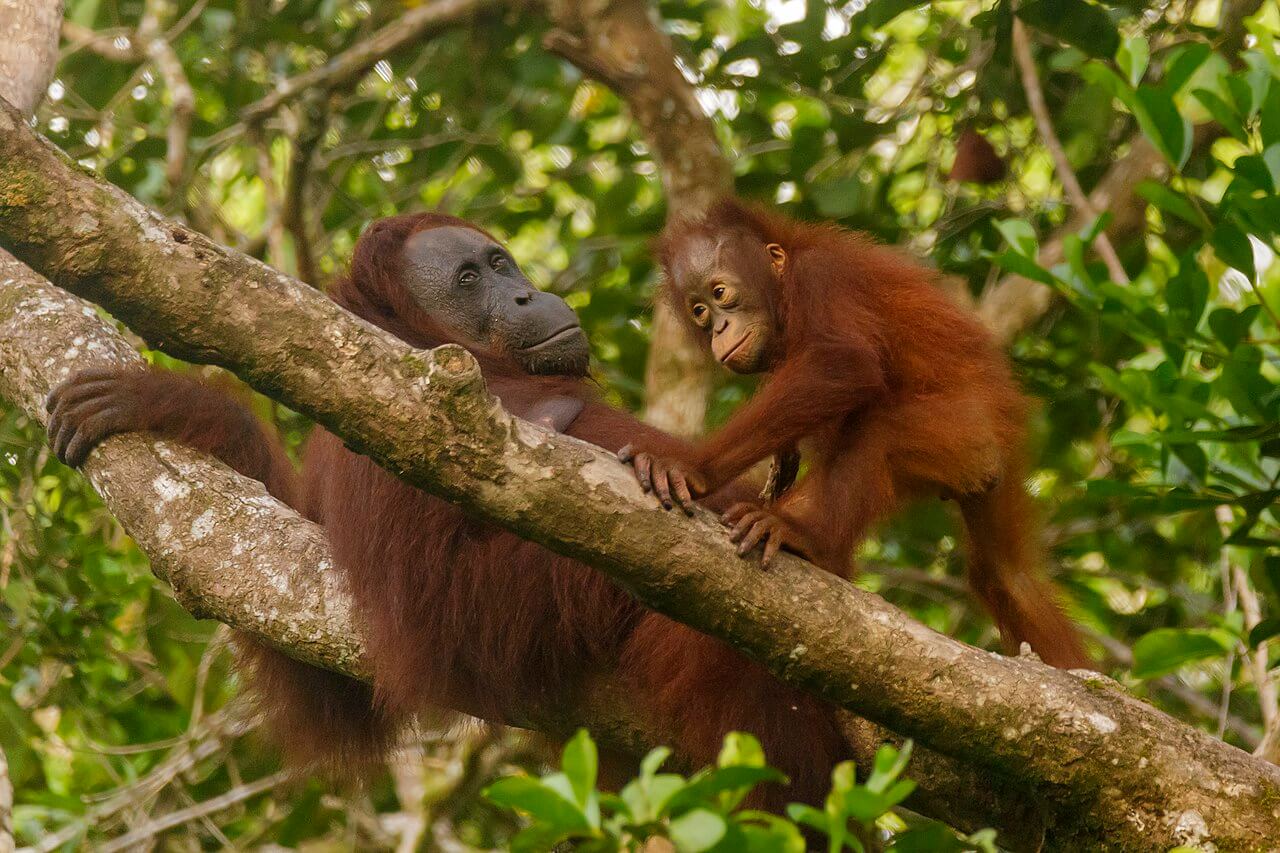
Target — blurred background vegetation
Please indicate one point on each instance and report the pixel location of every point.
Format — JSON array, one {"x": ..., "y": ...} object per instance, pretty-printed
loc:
[{"x": 1157, "y": 437}]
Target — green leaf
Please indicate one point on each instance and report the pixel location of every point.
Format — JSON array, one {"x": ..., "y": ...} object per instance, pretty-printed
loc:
[
  {"x": 1076, "y": 22},
  {"x": 1132, "y": 57},
  {"x": 1223, "y": 113},
  {"x": 888, "y": 765},
  {"x": 1263, "y": 631},
  {"x": 1187, "y": 294},
  {"x": 1233, "y": 248},
  {"x": 1182, "y": 63},
  {"x": 579, "y": 763},
  {"x": 1173, "y": 202},
  {"x": 704, "y": 787},
  {"x": 651, "y": 762},
  {"x": 545, "y": 805},
  {"x": 1166, "y": 649},
  {"x": 876, "y": 14},
  {"x": 1269, "y": 123},
  {"x": 809, "y": 816},
  {"x": 1231, "y": 326},
  {"x": 741, "y": 749},
  {"x": 696, "y": 831},
  {"x": 931, "y": 838},
  {"x": 1019, "y": 234},
  {"x": 1169, "y": 129}
]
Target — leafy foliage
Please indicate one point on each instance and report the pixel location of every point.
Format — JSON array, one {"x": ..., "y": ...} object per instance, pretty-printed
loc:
[{"x": 704, "y": 812}]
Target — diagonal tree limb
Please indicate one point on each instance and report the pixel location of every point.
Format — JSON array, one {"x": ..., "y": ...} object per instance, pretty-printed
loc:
[
  {"x": 1102, "y": 764},
  {"x": 233, "y": 553}
]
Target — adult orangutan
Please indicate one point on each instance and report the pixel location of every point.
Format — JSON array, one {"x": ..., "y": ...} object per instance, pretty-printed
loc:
[
  {"x": 457, "y": 612},
  {"x": 893, "y": 390}
]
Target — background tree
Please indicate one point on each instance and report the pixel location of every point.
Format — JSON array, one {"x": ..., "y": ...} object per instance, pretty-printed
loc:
[{"x": 1157, "y": 451}]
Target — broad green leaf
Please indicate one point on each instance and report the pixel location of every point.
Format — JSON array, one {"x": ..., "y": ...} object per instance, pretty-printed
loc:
[
  {"x": 529, "y": 795},
  {"x": 704, "y": 787},
  {"x": 1263, "y": 631},
  {"x": 741, "y": 750},
  {"x": 1173, "y": 202},
  {"x": 1231, "y": 326},
  {"x": 1166, "y": 649},
  {"x": 1223, "y": 113},
  {"x": 888, "y": 765},
  {"x": 579, "y": 763},
  {"x": 1269, "y": 123},
  {"x": 1233, "y": 248},
  {"x": 1076, "y": 22},
  {"x": 1168, "y": 128},
  {"x": 696, "y": 831},
  {"x": 1132, "y": 57},
  {"x": 1019, "y": 234},
  {"x": 651, "y": 762},
  {"x": 1182, "y": 63}
]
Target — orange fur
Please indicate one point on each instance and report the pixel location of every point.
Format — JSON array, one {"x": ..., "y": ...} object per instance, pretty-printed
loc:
[{"x": 897, "y": 393}]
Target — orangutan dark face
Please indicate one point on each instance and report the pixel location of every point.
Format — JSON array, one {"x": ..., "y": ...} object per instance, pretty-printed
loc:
[{"x": 465, "y": 280}]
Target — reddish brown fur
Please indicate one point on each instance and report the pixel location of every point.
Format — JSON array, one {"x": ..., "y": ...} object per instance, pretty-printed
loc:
[
  {"x": 462, "y": 614},
  {"x": 898, "y": 393}
]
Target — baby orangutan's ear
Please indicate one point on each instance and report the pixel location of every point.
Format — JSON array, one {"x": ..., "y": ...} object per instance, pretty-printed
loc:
[{"x": 777, "y": 258}]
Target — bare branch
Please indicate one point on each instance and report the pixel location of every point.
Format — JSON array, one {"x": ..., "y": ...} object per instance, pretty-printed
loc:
[
  {"x": 1014, "y": 302},
  {"x": 415, "y": 24},
  {"x": 1035, "y": 100}
]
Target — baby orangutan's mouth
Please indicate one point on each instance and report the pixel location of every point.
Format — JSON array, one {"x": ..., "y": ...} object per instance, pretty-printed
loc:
[{"x": 724, "y": 358}]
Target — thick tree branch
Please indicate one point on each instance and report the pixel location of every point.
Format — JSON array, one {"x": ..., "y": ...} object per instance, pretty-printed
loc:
[
  {"x": 1103, "y": 764},
  {"x": 28, "y": 49},
  {"x": 232, "y": 552}
]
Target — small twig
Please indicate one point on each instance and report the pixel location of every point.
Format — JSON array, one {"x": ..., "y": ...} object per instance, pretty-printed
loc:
[
  {"x": 199, "y": 810},
  {"x": 1070, "y": 183},
  {"x": 356, "y": 60}
]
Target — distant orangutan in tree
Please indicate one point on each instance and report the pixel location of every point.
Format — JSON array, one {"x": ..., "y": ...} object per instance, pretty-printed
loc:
[
  {"x": 892, "y": 391},
  {"x": 976, "y": 160}
]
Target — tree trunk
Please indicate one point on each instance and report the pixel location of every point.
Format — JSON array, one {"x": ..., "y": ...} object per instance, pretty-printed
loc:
[
  {"x": 28, "y": 50},
  {"x": 620, "y": 43}
]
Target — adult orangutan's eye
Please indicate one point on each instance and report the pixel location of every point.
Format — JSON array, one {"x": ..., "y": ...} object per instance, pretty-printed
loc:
[
  {"x": 498, "y": 262},
  {"x": 467, "y": 277}
]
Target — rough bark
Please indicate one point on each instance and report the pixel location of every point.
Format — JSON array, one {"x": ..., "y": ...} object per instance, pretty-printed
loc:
[
  {"x": 620, "y": 43},
  {"x": 1108, "y": 769},
  {"x": 28, "y": 49},
  {"x": 233, "y": 553}
]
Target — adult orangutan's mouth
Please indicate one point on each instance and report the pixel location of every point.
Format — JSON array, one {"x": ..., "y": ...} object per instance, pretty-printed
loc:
[
  {"x": 554, "y": 337},
  {"x": 735, "y": 347}
]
